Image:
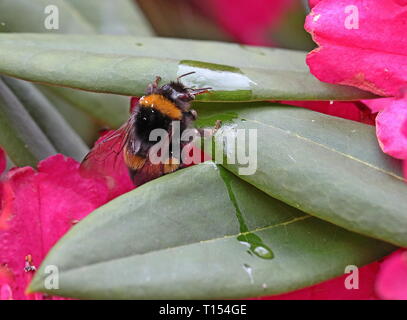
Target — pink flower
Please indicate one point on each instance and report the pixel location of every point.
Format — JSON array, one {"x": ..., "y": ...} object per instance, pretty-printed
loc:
[
  {"x": 355, "y": 111},
  {"x": 37, "y": 208},
  {"x": 370, "y": 39},
  {"x": 361, "y": 43},
  {"x": 392, "y": 278},
  {"x": 391, "y": 126},
  {"x": 335, "y": 289}
]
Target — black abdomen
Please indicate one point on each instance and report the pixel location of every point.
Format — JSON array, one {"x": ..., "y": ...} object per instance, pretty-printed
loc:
[{"x": 148, "y": 119}]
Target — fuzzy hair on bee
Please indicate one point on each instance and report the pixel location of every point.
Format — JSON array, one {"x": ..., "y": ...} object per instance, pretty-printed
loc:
[{"x": 157, "y": 109}]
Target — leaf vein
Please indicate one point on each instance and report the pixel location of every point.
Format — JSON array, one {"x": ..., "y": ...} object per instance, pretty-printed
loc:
[{"x": 330, "y": 149}]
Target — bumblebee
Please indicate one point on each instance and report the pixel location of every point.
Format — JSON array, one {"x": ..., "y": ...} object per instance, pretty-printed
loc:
[{"x": 159, "y": 108}]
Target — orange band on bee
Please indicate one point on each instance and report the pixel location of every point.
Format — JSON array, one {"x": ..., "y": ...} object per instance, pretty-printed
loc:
[
  {"x": 171, "y": 165},
  {"x": 161, "y": 104},
  {"x": 133, "y": 161}
]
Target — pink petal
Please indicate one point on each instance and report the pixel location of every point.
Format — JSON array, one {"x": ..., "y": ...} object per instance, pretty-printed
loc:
[
  {"x": 71, "y": 198},
  {"x": 38, "y": 207},
  {"x": 3, "y": 161},
  {"x": 335, "y": 289},
  {"x": 372, "y": 57},
  {"x": 247, "y": 22},
  {"x": 391, "y": 281},
  {"x": 5, "y": 292},
  {"x": 346, "y": 110},
  {"x": 391, "y": 127},
  {"x": 376, "y": 105}
]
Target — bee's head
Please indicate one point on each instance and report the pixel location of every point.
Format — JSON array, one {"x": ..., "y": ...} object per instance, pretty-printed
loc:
[
  {"x": 176, "y": 91},
  {"x": 179, "y": 93}
]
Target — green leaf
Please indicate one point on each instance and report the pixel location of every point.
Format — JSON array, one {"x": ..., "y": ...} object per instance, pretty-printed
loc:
[
  {"x": 20, "y": 136},
  {"x": 83, "y": 17},
  {"x": 114, "y": 17},
  {"x": 200, "y": 233},
  {"x": 75, "y": 16},
  {"x": 81, "y": 122},
  {"x": 106, "y": 109},
  {"x": 125, "y": 65},
  {"x": 29, "y": 16},
  {"x": 181, "y": 19},
  {"x": 290, "y": 32},
  {"x": 58, "y": 131},
  {"x": 329, "y": 167}
]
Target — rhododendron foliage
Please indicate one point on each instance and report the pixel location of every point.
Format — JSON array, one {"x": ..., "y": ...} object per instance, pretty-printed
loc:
[
  {"x": 334, "y": 289},
  {"x": 360, "y": 43},
  {"x": 312, "y": 3}
]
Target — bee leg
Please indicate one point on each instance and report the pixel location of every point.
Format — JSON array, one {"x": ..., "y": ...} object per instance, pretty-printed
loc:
[
  {"x": 152, "y": 87},
  {"x": 203, "y": 132},
  {"x": 194, "y": 114},
  {"x": 217, "y": 126}
]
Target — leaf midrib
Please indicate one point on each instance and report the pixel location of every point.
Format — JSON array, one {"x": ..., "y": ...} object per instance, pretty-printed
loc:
[
  {"x": 369, "y": 165},
  {"x": 285, "y": 223}
]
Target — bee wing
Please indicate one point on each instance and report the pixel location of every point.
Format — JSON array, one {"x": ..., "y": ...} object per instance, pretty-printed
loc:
[{"x": 107, "y": 152}]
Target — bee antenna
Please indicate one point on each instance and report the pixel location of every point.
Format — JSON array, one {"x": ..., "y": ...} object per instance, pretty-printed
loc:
[
  {"x": 202, "y": 89},
  {"x": 185, "y": 74}
]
